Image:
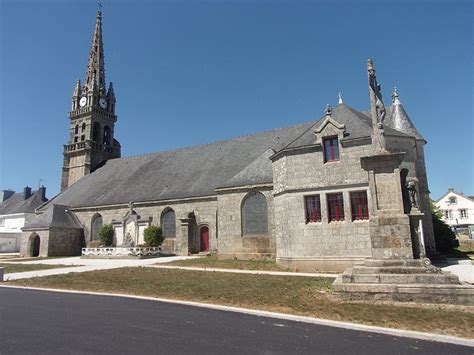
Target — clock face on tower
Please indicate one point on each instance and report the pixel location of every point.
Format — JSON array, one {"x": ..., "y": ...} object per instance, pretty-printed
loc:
[
  {"x": 83, "y": 101},
  {"x": 103, "y": 103}
]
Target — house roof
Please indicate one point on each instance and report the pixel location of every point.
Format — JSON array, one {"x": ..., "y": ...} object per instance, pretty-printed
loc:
[
  {"x": 17, "y": 204},
  {"x": 451, "y": 191},
  {"x": 197, "y": 171},
  {"x": 55, "y": 216}
]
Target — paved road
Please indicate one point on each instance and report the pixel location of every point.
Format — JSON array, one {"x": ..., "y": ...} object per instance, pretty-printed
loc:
[{"x": 60, "y": 323}]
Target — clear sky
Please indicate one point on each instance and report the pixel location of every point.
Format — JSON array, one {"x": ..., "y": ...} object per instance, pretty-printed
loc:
[{"x": 191, "y": 72}]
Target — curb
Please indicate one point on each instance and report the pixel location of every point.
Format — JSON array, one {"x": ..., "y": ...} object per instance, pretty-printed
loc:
[{"x": 303, "y": 319}]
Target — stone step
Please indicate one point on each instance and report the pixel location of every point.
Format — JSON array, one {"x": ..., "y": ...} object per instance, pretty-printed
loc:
[
  {"x": 400, "y": 279},
  {"x": 424, "y": 293},
  {"x": 393, "y": 262},
  {"x": 392, "y": 270}
]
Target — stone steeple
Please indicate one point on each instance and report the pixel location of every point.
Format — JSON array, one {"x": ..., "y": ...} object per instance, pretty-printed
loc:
[
  {"x": 92, "y": 118},
  {"x": 95, "y": 72}
]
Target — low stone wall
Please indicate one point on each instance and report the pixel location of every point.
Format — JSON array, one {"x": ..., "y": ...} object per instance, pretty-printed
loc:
[{"x": 121, "y": 253}]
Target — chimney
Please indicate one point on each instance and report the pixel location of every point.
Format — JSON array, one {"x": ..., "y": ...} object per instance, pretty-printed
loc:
[
  {"x": 42, "y": 191},
  {"x": 5, "y": 194},
  {"x": 26, "y": 192},
  {"x": 451, "y": 189}
]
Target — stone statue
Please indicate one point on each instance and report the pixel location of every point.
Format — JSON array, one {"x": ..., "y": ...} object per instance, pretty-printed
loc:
[
  {"x": 377, "y": 90},
  {"x": 377, "y": 109},
  {"x": 411, "y": 187},
  {"x": 129, "y": 241}
]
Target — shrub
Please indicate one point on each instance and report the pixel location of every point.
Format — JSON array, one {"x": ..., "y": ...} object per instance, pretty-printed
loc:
[
  {"x": 153, "y": 236},
  {"x": 106, "y": 235},
  {"x": 444, "y": 237}
]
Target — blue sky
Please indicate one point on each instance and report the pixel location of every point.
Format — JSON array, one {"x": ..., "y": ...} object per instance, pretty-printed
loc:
[{"x": 191, "y": 72}]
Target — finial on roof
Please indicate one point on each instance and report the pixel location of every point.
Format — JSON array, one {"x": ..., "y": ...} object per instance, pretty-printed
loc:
[
  {"x": 99, "y": 11},
  {"x": 340, "y": 98},
  {"x": 395, "y": 99},
  {"x": 328, "y": 110}
]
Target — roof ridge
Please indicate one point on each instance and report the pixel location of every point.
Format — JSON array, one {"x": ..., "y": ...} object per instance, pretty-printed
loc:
[{"x": 215, "y": 142}]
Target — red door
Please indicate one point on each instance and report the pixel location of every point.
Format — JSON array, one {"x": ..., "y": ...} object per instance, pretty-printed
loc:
[{"x": 204, "y": 239}]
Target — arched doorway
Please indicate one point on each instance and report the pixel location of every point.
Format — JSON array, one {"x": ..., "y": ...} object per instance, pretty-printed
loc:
[
  {"x": 34, "y": 245},
  {"x": 204, "y": 233}
]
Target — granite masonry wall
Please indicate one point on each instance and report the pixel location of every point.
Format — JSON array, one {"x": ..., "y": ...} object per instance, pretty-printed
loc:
[
  {"x": 325, "y": 246},
  {"x": 232, "y": 242},
  {"x": 204, "y": 209}
]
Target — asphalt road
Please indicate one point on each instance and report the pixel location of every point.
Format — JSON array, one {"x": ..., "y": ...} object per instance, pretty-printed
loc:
[{"x": 40, "y": 322}]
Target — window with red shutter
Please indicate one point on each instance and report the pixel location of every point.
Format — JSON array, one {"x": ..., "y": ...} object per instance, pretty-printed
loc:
[
  {"x": 312, "y": 208},
  {"x": 359, "y": 205},
  {"x": 335, "y": 207}
]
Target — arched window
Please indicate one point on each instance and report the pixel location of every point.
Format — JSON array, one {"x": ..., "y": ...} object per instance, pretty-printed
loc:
[
  {"x": 106, "y": 135},
  {"x": 254, "y": 214},
  {"x": 168, "y": 223},
  {"x": 96, "y": 132},
  {"x": 96, "y": 226},
  {"x": 76, "y": 129},
  {"x": 83, "y": 127}
]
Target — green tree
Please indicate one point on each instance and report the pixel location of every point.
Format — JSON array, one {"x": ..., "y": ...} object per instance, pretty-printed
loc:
[
  {"x": 153, "y": 236},
  {"x": 445, "y": 238},
  {"x": 435, "y": 210},
  {"x": 106, "y": 235}
]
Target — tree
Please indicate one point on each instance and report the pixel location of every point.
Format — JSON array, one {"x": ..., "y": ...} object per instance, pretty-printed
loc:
[
  {"x": 445, "y": 238},
  {"x": 106, "y": 235},
  {"x": 153, "y": 236}
]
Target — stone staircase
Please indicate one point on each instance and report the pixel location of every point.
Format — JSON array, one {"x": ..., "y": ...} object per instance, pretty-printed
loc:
[{"x": 409, "y": 280}]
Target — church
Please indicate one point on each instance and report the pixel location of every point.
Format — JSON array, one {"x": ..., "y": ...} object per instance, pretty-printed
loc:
[{"x": 321, "y": 195}]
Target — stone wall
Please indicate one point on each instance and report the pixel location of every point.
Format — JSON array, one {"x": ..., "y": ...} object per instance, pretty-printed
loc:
[
  {"x": 65, "y": 242},
  {"x": 26, "y": 242},
  {"x": 324, "y": 246},
  {"x": 204, "y": 209},
  {"x": 232, "y": 242}
]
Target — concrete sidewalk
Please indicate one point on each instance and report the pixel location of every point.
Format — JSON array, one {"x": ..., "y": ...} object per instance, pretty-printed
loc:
[
  {"x": 463, "y": 268},
  {"x": 84, "y": 265}
]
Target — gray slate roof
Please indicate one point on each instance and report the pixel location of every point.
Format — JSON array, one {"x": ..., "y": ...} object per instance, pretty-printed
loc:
[
  {"x": 398, "y": 119},
  {"x": 55, "y": 216},
  {"x": 17, "y": 204},
  {"x": 188, "y": 172},
  {"x": 199, "y": 170}
]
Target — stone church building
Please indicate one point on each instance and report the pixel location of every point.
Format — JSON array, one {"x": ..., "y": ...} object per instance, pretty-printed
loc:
[{"x": 321, "y": 195}]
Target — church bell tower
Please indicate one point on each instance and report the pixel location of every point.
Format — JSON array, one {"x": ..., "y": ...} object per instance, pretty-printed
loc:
[{"x": 92, "y": 118}]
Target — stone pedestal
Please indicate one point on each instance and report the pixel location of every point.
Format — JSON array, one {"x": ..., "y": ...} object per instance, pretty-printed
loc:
[
  {"x": 389, "y": 227},
  {"x": 396, "y": 238}
]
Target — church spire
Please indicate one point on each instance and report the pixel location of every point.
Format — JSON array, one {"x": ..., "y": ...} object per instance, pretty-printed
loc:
[{"x": 95, "y": 65}]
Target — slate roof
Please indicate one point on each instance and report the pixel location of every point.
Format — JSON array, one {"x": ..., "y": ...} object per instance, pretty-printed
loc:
[
  {"x": 197, "y": 171},
  {"x": 55, "y": 216},
  {"x": 17, "y": 204},
  {"x": 188, "y": 172},
  {"x": 397, "y": 118}
]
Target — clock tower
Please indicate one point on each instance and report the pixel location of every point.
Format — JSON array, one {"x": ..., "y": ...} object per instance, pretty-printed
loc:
[{"x": 92, "y": 118}]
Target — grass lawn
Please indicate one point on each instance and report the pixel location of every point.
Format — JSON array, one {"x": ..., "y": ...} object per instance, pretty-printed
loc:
[
  {"x": 296, "y": 295},
  {"x": 17, "y": 267},
  {"x": 213, "y": 262}
]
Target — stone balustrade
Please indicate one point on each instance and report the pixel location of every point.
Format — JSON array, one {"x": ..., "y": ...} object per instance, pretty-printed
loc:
[{"x": 121, "y": 252}]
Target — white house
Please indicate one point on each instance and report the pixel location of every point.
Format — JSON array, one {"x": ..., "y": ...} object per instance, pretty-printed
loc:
[
  {"x": 16, "y": 209},
  {"x": 458, "y": 210}
]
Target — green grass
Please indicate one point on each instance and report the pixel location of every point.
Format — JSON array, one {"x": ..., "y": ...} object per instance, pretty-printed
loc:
[
  {"x": 17, "y": 267},
  {"x": 213, "y": 262},
  {"x": 295, "y": 295}
]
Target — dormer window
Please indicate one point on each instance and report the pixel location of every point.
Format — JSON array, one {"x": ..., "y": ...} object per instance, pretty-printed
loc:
[{"x": 331, "y": 149}]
